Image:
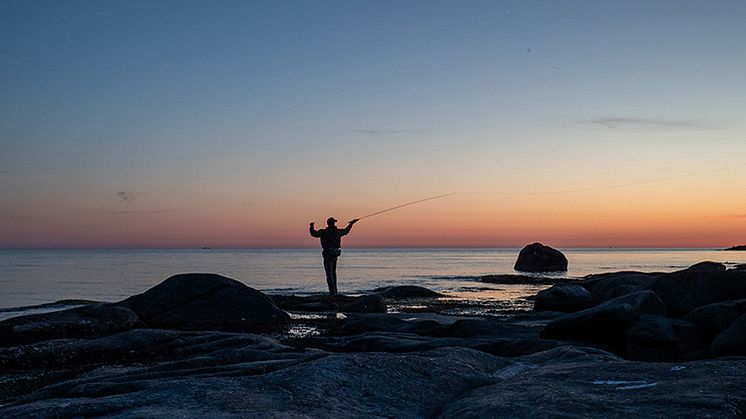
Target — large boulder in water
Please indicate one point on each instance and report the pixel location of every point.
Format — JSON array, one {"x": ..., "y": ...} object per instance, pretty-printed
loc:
[
  {"x": 199, "y": 301},
  {"x": 699, "y": 285},
  {"x": 539, "y": 258},
  {"x": 563, "y": 297}
]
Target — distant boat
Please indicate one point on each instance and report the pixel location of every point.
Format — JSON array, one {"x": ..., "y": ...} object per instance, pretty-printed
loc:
[{"x": 206, "y": 248}]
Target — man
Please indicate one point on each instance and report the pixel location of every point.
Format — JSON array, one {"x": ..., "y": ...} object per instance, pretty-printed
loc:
[{"x": 331, "y": 242}]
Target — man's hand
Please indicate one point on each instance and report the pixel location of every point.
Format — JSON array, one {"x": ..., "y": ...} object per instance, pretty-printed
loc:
[
  {"x": 354, "y": 221},
  {"x": 312, "y": 223}
]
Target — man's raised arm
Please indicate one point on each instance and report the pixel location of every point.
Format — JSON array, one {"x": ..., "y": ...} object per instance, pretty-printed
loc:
[{"x": 313, "y": 231}]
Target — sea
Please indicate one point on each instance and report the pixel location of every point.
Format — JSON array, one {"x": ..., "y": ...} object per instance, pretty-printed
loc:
[{"x": 30, "y": 279}]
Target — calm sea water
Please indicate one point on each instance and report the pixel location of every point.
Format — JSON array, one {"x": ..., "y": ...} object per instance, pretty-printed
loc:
[{"x": 36, "y": 277}]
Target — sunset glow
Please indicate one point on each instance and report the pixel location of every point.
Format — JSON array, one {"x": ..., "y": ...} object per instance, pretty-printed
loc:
[{"x": 153, "y": 127}]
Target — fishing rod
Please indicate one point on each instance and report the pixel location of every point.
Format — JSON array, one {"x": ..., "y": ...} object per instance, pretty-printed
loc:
[{"x": 407, "y": 204}]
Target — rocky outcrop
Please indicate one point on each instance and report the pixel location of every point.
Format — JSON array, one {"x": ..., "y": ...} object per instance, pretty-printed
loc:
[
  {"x": 613, "y": 285},
  {"x": 87, "y": 321},
  {"x": 740, "y": 247},
  {"x": 368, "y": 304},
  {"x": 406, "y": 291},
  {"x": 702, "y": 284},
  {"x": 713, "y": 319},
  {"x": 563, "y": 297},
  {"x": 658, "y": 338},
  {"x": 606, "y": 323},
  {"x": 182, "y": 302},
  {"x": 537, "y": 257},
  {"x": 732, "y": 341},
  {"x": 205, "y": 302}
]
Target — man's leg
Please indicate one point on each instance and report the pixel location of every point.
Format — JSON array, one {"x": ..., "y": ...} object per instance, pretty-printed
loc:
[
  {"x": 334, "y": 274},
  {"x": 329, "y": 266}
]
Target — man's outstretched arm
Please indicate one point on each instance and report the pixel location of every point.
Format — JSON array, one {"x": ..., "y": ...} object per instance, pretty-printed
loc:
[
  {"x": 349, "y": 226},
  {"x": 313, "y": 231}
]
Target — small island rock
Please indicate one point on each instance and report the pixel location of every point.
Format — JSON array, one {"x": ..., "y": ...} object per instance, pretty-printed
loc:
[{"x": 537, "y": 257}]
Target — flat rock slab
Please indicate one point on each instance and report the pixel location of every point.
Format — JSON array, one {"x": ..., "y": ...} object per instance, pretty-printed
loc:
[{"x": 444, "y": 383}]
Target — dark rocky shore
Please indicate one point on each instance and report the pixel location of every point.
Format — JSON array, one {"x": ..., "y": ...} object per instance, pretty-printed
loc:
[{"x": 610, "y": 345}]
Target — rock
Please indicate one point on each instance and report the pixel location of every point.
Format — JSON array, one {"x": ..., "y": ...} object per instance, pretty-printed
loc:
[
  {"x": 713, "y": 319},
  {"x": 660, "y": 339},
  {"x": 740, "y": 247},
  {"x": 732, "y": 341},
  {"x": 368, "y": 304},
  {"x": 539, "y": 258},
  {"x": 388, "y": 323},
  {"x": 702, "y": 284},
  {"x": 617, "y": 284},
  {"x": 138, "y": 345},
  {"x": 206, "y": 302},
  {"x": 87, "y": 321},
  {"x": 183, "y": 302},
  {"x": 510, "y": 279},
  {"x": 567, "y": 383},
  {"x": 358, "y": 385},
  {"x": 606, "y": 323},
  {"x": 314, "y": 303},
  {"x": 563, "y": 297},
  {"x": 406, "y": 291}
]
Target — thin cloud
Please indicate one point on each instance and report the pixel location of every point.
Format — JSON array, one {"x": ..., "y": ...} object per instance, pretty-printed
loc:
[
  {"x": 735, "y": 216},
  {"x": 125, "y": 197},
  {"x": 383, "y": 132},
  {"x": 6, "y": 172},
  {"x": 124, "y": 212},
  {"x": 651, "y": 123}
]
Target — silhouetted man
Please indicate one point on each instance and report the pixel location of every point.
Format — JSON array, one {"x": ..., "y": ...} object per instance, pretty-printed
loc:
[{"x": 331, "y": 242}]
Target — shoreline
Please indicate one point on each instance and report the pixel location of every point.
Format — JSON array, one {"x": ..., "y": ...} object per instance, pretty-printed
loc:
[{"x": 609, "y": 344}]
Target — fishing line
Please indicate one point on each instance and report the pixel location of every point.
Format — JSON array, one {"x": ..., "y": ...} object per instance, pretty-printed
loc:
[
  {"x": 616, "y": 186},
  {"x": 407, "y": 204},
  {"x": 556, "y": 192}
]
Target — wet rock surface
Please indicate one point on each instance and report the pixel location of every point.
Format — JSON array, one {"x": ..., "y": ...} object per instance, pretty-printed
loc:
[{"x": 432, "y": 357}]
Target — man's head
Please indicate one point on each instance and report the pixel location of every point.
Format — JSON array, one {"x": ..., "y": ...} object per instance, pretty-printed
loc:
[{"x": 330, "y": 221}]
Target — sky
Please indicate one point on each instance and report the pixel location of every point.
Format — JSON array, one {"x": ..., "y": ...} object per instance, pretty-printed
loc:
[{"x": 234, "y": 124}]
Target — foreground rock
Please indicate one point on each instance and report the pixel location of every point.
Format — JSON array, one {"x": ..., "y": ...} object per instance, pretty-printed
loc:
[
  {"x": 732, "y": 341},
  {"x": 658, "y": 338},
  {"x": 713, "y": 319},
  {"x": 606, "y": 323},
  {"x": 564, "y": 297},
  {"x": 442, "y": 383},
  {"x": 537, "y": 257},
  {"x": 702, "y": 284},
  {"x": 205, "y": 302},
  {"x": 92, "y": 320},
  {"x": 182, "y": 302}
]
